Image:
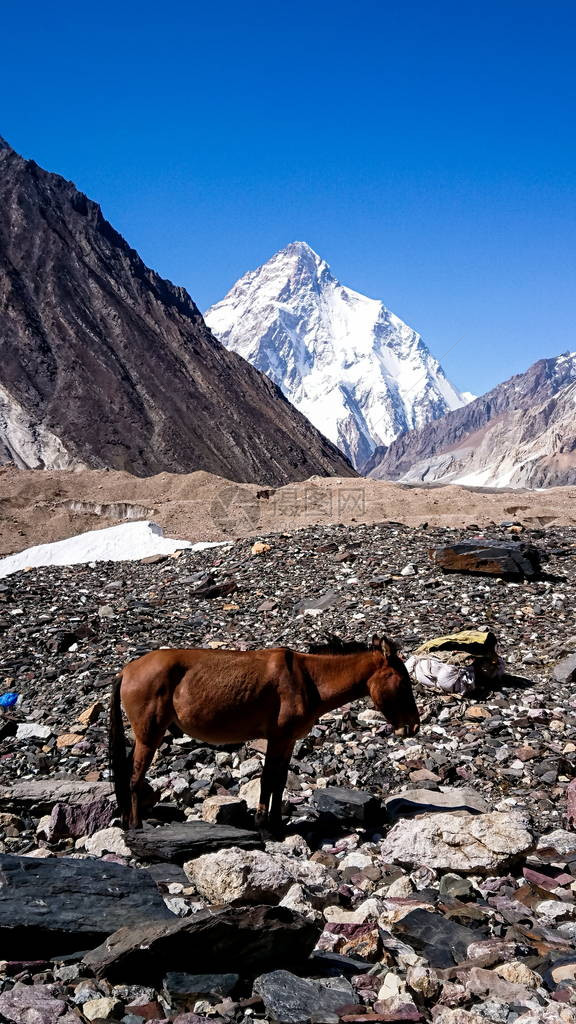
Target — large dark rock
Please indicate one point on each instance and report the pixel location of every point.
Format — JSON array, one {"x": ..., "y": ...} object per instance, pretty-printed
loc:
[
  {"x": 216, "y": 589},
  {"x": 292, "y": 1000},
  {"x": 180, "y": 842},
  {"x": 442, "y": 941},
  {"x": 349, "y": 806},
  {"x": 510, "y": 561},
  {"x": 182, "y": 990},
  {"x": 54, "y": 906},
  {"x": 328, "y": 600},
  {"x": 240, "y": 940}
]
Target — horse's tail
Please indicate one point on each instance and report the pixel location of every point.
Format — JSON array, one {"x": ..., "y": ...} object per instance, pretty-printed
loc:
[{"x": 119, "y": 761}]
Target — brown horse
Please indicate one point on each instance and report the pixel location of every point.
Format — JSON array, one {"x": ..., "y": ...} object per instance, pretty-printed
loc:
[{"x": 232, "y": 696}]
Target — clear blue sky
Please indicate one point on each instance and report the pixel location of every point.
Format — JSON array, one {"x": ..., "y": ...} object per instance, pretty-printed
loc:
[{"x": 427, "y": 150}]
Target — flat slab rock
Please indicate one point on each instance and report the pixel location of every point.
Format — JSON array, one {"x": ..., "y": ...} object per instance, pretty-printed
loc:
[
  {"x": 510, "y": 561},
  {"x": 56, "y": 905},
  {"x": 419, "y": 801},
  {"x": 473, "y": 844},
  {"x": 184, "y": 841},
  {"x": 42, "y": 794},
  {"x": 241, "y": 940}
]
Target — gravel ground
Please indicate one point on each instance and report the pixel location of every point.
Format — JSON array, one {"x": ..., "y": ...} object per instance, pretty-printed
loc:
[{"x": 65, "y": 631}]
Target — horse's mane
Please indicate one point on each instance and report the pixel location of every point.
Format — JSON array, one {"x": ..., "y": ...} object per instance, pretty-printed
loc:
[{"x": 335, "y": 645}]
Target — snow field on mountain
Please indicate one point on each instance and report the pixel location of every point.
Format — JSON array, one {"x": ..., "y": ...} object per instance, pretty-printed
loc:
[{"x": 353, "y": 368}]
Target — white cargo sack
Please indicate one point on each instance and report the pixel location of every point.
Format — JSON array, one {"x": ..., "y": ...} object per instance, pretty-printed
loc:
[
  {"x": 456, "y": 663},
  {"x": 440, "y": 675}
]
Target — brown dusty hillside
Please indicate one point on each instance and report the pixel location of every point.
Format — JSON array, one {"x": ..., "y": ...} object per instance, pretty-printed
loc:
[{"x": 41, "y": 506}]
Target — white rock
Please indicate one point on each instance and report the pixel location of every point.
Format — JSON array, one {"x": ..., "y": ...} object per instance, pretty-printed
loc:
[
  {"x": 33, "y": 731},
  {"x": 291, "y": 846},
  {"x": 43, "y": 826},
  {"x": 252, "y": 875},
  {"x": 393, "y": 990},
  {"x": 355, "y": 859},
  {"x": 551, "y": 1014},
  {"x": 370, "y": 909},
  {"x": 459, "y": 1016},
  {"x": 557, "y": 845},
  {"x": 250, "y": 792},
  {"x": 400, "y": 887},
  {"x": 108, "y": 840},
  {"x": 371, "y": 717},
  {"x": 101, "y": 1009},
  {"x": 423, "y": 980},
  {"x": 250, "y": 767},
  {"x": 297, "y": 899},
  {"x": 519, "y": 974},
  {"x": 555, "y": 910},
  {"x": 458, "y": 842}
]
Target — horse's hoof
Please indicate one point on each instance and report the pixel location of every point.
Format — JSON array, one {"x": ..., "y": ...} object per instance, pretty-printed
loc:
[{"x": 272, "y": 833}]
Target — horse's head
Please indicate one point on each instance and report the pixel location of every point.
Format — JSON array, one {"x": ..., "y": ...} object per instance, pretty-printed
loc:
[{"x": 391, "y": 690}]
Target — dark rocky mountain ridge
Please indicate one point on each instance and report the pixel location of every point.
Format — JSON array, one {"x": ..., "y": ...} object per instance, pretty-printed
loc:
[{"x": 107, "y": 365}]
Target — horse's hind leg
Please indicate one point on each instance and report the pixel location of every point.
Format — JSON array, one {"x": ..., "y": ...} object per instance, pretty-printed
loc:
[
  {"x": 141, "y": 760},
  {"x": 147, "y": 740}
]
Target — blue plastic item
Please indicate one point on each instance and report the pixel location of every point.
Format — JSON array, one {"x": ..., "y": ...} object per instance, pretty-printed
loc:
[{"x": 8, "y": 700}]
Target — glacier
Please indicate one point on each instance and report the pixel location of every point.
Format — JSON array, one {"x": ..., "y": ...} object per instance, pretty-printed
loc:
[{"x": 352, "y": 367}]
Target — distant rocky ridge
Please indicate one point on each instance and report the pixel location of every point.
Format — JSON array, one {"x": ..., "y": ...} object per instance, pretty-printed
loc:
[
  {"x": 354, "y": 369},
  {"x": 107, "y": 365},
  {"x": 520, "y": 434}
]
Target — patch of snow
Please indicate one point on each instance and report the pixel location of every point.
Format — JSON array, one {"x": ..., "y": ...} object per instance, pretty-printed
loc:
[
  {"x": 127, "y": 542},
  {"x": 352, "y": 367}
]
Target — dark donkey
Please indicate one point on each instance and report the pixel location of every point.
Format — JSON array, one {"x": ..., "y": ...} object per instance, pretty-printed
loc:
[{"x": 232, "y": 696}]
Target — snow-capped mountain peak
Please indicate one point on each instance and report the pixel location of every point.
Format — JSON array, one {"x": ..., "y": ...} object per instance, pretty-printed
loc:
[{"x": 357, "y": 372}]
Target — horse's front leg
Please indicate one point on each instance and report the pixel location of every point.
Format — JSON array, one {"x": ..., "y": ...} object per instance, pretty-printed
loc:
[
  {"x": 261, "y": 818},
  {"x": 274, "y": 774},
  {"x": 280, "y": 762}
]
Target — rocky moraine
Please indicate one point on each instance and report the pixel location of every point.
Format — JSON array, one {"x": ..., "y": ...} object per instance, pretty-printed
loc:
[{"x": 424, "y": 878}]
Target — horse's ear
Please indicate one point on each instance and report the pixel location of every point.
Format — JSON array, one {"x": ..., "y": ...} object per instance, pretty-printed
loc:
[{"x": 376, "y": 643}]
